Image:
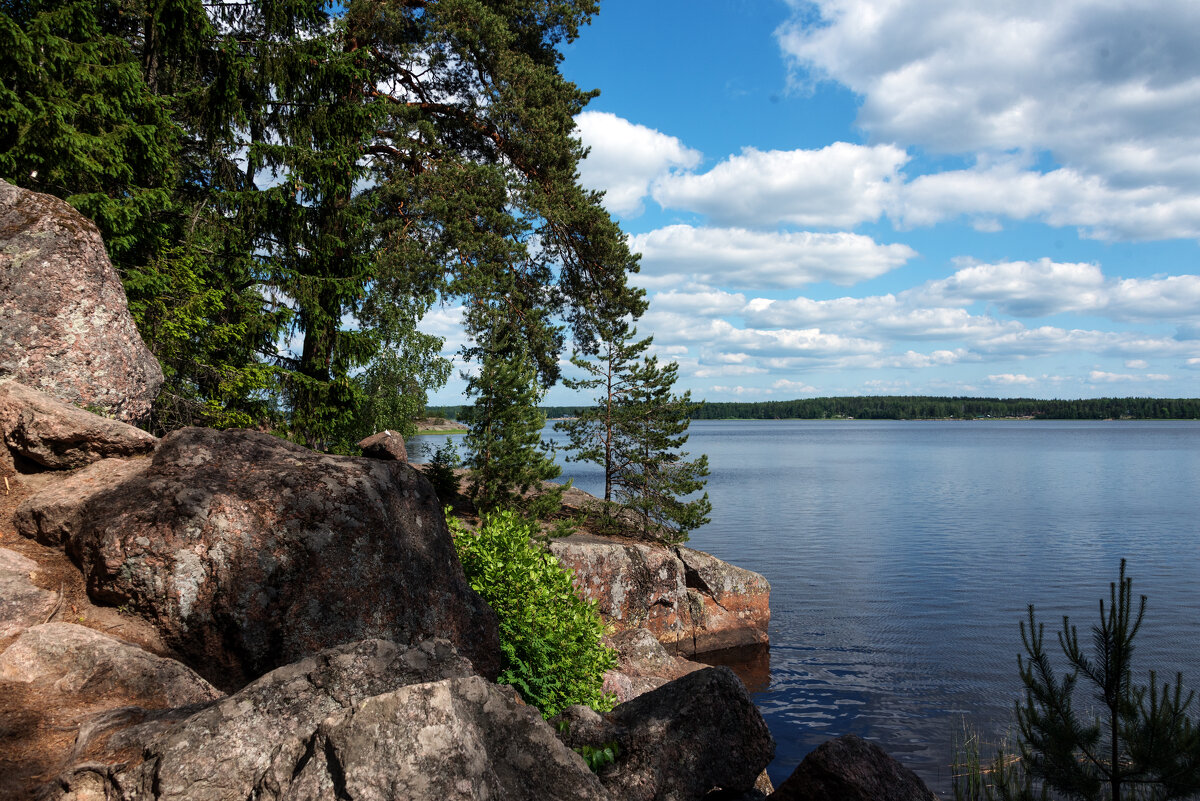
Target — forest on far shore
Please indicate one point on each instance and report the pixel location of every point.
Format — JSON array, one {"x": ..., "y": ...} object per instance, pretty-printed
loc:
[{"x": 918, "y": 407}]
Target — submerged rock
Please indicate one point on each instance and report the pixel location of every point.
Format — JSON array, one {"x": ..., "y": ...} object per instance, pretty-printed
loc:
[{"x": 848, "y": 768}]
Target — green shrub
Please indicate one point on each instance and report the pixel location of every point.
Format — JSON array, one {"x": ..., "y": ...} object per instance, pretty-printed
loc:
[{"x": 549, "y": 637}]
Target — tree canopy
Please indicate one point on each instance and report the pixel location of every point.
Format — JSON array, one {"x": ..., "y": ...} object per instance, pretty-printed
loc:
[{"x": 319, "y": 176}]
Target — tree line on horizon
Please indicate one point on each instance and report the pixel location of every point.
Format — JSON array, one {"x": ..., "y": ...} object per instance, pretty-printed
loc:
[{"x": 916, "y": 407}]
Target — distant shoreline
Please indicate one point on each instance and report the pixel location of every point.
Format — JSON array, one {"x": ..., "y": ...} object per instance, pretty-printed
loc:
[{"x": 925, "y": 407}]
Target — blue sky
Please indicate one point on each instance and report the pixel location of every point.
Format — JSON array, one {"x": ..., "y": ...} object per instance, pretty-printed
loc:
[{"x": 857, "y": 197}]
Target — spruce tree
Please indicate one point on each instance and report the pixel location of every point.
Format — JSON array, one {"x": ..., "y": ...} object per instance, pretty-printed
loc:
[
  {"x": 505, "y": 453},
  {"x": 1139, "y": 743}
]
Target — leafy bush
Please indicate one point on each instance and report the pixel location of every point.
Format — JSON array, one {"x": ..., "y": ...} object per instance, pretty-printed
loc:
[{"x": 549, "y": 637}]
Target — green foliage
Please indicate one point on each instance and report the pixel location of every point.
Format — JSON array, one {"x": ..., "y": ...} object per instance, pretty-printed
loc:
[
  {"x": 599, "y": 756},
  {"x": 440, "y": 470},
  {"x": 79, "y": 121},
  {"x": 1138, "y": 742},
  {"x": 287, "y": 188},
  {"x": 549, "y": 637},
  {"x": 593, "y": 432}
]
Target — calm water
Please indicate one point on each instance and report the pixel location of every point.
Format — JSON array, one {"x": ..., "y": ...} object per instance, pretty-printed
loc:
[{"x": 902, "y": 554}]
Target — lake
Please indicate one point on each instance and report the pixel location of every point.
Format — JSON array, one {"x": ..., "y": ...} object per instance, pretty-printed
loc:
[{"x": 902, "y": 555}]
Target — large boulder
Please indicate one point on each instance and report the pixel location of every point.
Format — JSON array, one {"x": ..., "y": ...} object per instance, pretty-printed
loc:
[
  {"x": 679, "y": 742},
  {"x": 63, "y": 687},
  {"x": 248, "y": 552},
  {"x": 22, "y": 603},
  {"x": 69, "y": 660},
  {"x": 643, "y": 664},
  {"x": 59, "y": 436},
  {"x": 367, "y": 720},
  {"x": 735, "y": 603},
  {"x": 848, "y": 768},
  {"x": 64, "y": 321},
  {"x": 691, "y": 601},
  {"x": 455, "y": 739}
]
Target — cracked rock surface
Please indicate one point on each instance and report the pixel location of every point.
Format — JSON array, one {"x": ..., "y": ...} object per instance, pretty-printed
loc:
[
  {"x": 248, "y": 552},
  {"x": 691, "y": 601}
]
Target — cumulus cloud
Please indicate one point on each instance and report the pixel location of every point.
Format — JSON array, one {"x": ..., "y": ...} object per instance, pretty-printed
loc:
[
  {"x": 786, "y": 385},
  {"x": 1024, "y": 289},
  {"x": 1010, "y": 379},
  {"x": 1109, "y": 88},
  {"x": 839, "y": 186},
  {"x": 1045, "y": 287},
  {"x": 756, "y": 259},
  {"x": 625, "y": 158},
  {"x": 1101, "y": 377},
  {"x": 1063, "y": 197}
]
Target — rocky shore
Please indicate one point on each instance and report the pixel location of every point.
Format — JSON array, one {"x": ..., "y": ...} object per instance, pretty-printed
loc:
[{"x": 226, "y": 615}]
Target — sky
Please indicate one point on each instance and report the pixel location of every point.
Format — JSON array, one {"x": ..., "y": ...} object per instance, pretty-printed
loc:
[{"x": 902, "y": 197}]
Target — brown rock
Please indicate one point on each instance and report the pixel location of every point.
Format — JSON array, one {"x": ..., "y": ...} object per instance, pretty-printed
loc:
[
  {"x": 642, "y": 665},
  {"x": 367, "y": 720},
  {"x": 55, "y": 514},
  {"x": 77, "y": 661},
  {"x": 65, "y": 327},
  {"x": 453, "y": 739},
  {"x": 247, "y": 552},
  {"x": 736, "y": 602},
  {"x": 60, "y": 436},
  {"x": 22, "y": 603},
  {"x": 634, "y": 585},
  {"x": 691, "y": 601},
  {"x": 385, "y": 445},
  {"x": 848, "y": 768},
  {"x": 680, "y": 742}
]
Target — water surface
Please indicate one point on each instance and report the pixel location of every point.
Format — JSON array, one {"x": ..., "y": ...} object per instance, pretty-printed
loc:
[{"x": 902, "y": 554}]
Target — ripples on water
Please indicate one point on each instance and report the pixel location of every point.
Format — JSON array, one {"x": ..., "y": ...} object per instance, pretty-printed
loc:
[{"x": 901, "y": 556}]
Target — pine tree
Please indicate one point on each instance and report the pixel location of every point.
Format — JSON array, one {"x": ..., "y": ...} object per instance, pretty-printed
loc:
[
  {"x": 635, "y": 431},
  {"x": 96, "y": 107},
  {"x": 592, "y": 435},
  {"x": 79, "y": 121},
  {"x": 1141, "y": 743},
  {"x": 653, "y": 475},
  {"x": 415, "y": 151}
]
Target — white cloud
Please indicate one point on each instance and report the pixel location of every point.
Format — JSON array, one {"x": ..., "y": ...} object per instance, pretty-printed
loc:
[
  {"x": 755, "y": 259},
  {"x": 787, "y": 385},
  {"x": 1024, "y": 289},
  {"x": 1045, "y": 287},
  {"x": 625, "y": 158},
  {"x": 1136, "y": 364},
  {"x": 1063, "y": 197},
  {"x": 1010, "y": 379},
  {"x": 839, "y": 186},
  {"x": 1101, "y": 377},
  {"x": 1110, "y": 88}
]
